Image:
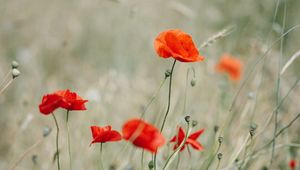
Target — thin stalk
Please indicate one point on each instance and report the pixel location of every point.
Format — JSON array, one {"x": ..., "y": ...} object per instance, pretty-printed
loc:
[
  {"x": 5, "y": 77},
  {"x": 213, "y": 157},
  {"x": 69, "y": 141},
  {"x": 168, "y": 108},
  {"x": 57, "y": 134},
  {"x": 142, "y": 160},
  {"x": 173, "y": 155},
  {"x": 178, "y": 161},
  {"x": 278, "y": 83},
  {"x": 218, "y": 165},
  {"x": 101, "y": 161},
  {"x": 169, "y": 97},
  {"x": 3, "y": 89}
]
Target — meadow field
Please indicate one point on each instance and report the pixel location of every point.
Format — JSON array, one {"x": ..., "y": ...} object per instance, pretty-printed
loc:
[{"x": 104, "y": 51}]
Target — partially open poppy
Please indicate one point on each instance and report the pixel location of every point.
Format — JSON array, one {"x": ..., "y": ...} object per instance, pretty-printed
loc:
[
  {"x": 230, "y": 65},
  {"x": 61, "y": 98},
  {"x": 104, "y": 134},
  {"x": 177, "y": 44},
  {"x": 71, "y": 100},
  {"x": 143, "y": 134},
  {"x": 191, "y": 140},
  {"x": 50, "y": 102}
]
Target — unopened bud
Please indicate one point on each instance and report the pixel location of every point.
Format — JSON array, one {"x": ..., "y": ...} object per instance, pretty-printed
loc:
[
  {"x": 252, "y": 129},
  {"x": 193, "y": 82},
  {"x": 216, "y": 128},
  {"x": 194, "y": 123},
  {"x": 46, "y": 131},
  {"x": 168, "y": 73},
  {"x": 151, "y": 165},
  {"x": 220, "y": 155},
  {"x": 220, "y": 139},
  {"x": 15, "y": 73},
  {"x": 14, "y": 64},
  {"x": 187, "y": 119}
]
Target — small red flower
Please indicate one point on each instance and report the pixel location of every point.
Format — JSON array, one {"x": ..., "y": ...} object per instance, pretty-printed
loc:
[
  {"x": 292, "y": 164},
  {"x": 104, "y": 134},
  {"x": 177, "y": 44},
  {"x": 143, "y": 134},
  {"x": 230, "y": 65},
  {"x": 191, "y": 140},
  {"x": 71, "y": 101},
  {"x": 50, "y": 102}
]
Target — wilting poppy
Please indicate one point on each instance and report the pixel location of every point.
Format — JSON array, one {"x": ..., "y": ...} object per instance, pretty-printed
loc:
[
  {"x": 50, "y": 102},
  {"x": 191, "y": 140},
  {"x": 177, "y": 44},
  {"x": 230, "y": 65},
  {"x": 143, "y": 134},
  {"x": 292, "y": 164},
  {"x": 104, "y": 134},
  {"x": 71, "y": 100}
]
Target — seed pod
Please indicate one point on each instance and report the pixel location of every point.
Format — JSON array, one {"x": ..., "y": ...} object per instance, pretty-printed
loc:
[
  {"x": 151, "y": 165},
  {"x": 187, "y": 119},
  {"x": 167, "y": 73},
  {"x": 14, "y": 64},
  {"x": 15, "y": 73}
]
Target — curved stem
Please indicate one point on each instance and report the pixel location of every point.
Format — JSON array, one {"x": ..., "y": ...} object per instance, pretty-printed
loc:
[
  {"x": 169, "y": 97},
  {"x": 57, "y": 134},
  {"x": 69, "y": 141},
  {"x": 168, "y": 108},
  {"x": 171, "y": 158}
]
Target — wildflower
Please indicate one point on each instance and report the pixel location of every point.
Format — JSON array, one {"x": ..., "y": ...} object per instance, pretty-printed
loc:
[
  {"x": 50, "y": 102},
  {"x": 104, "y": 134},
  {"x": 191, "y": 140},
  {"x": 61, "y": 98},
  {"x": 177, "y": 44},
  {"x": 143, "y": 134},
  {"x": 71, "y": 101},
  {"x": 230, "y": 65},
  {"x": 292, "y": 164}
]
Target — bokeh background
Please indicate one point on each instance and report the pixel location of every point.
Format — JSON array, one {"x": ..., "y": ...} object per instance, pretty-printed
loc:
[{"x": 103, "y": 50}]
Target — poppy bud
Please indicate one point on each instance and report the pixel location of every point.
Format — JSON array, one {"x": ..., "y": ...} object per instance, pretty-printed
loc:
[
  {"x": 194, "y": 123},
  {"x": 193, "y": 82},
  {"x": 14, "y": 64},
  {"x": 151, "y": 165},
  {"x": 251, "y": 95},
  {"x": 15, "y": 73},
  {"x": 34, "y": 159},
  {"x": 220, "y": 140},
  {"x": 216, "y": 128},
  {"x": 252, "y": 129},
  {"x": 220, "y": 155},
  {"x": 46, "y": 131},
  {"x": 167, "y": 73},
  {"x": 187, "y": 119}
]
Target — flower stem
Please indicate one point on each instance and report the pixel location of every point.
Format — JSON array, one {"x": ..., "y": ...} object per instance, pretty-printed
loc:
[
  {"x": 171, "y": 158},
  {"x": 168, "y": 108},
  {"x": 142, "y": 160},
  {"x": 169, "y": 97},
  {"x": 69, "y": 141},
  {"x": 101, "y": 161},
  {"x": 57, "y": 133}
]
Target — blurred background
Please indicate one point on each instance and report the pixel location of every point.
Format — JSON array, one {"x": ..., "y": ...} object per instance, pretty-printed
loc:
[{"x": 103, "y": 50}]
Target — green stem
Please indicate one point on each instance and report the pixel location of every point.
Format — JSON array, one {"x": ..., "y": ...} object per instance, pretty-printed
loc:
[
  {"x": 171, "y": 158},
  {"x": 142, "y": 160},
  {"x": 168, "y": 108},
  {"x": 101, "y": 161},
  {"x": 69, "y": 141},
  {"x": 57, "y": 133}
]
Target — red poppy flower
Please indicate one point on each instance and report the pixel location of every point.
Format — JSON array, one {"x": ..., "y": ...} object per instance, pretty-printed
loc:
[
  {"x": 71, "y": 101},
  {"x": 143, "y": 134},
  {"x": 292, "y": 164},
  {"x": 50, "y": 102},
  {"x": 230, "y": 65},
  {"x": 191, "y": 140},
  {"x": 104, "y": 134},
  {"x": 177, "y": 44}
]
